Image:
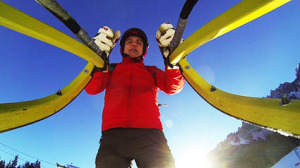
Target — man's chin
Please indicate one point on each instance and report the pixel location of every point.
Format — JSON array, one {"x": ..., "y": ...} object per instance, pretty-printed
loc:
[{"x": 133, "y": 55}]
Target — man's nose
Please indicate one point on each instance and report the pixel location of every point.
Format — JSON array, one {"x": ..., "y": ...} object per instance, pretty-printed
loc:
[{"x": 134, "y": 43}]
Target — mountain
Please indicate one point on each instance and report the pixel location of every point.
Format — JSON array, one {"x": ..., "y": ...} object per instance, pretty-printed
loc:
[
  {"x": 291, "y": 89},
  {"x": 255, "y": 147}
]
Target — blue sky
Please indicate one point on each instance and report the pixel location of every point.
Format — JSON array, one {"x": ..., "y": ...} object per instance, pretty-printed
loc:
[{"x": 250, "y": 61}]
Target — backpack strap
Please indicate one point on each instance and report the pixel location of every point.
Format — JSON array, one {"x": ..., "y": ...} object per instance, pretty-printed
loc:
[
  {"x": 152, "y": 70},
  {"x": 112, "y": 67}
]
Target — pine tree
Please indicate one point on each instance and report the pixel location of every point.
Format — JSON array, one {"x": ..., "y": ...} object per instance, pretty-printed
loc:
[
  {"x": 2, "y": 163},
  {"x": 14, "y": 164}
]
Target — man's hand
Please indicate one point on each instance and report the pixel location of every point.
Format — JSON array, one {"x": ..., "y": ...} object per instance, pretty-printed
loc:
[
  {"x": 164, "y": 36},
  {"x": 106, "y": 39}
]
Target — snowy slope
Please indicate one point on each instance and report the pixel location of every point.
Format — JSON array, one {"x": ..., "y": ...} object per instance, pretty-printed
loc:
[{"x": 253, "y": 146}]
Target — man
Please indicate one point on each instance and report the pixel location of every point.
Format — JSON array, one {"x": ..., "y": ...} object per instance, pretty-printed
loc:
[{"x": 131, "y": 126}]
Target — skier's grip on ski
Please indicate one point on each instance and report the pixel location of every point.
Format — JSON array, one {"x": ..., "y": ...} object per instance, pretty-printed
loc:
[
  {"x": 164, "y": 36},
  {"x": 106, "y": 40},
  {"x": 60, "y": 13}
]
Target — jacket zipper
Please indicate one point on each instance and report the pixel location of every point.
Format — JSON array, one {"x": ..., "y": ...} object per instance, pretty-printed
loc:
[{"x": 129, "y": 97}]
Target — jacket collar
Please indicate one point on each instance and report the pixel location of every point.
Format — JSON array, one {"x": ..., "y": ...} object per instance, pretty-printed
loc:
[{"x": 128, "y": 60}]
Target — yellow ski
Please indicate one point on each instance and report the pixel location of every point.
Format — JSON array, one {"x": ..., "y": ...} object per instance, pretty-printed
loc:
[
  {"x": 265, "y": 112},
  {"x": 14, "y": 115}
]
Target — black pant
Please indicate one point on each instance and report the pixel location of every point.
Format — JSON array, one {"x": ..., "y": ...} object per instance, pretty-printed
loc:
[{"x": 120, "y": 146}]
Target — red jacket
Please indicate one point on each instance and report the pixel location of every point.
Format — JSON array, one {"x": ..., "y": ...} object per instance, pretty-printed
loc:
[{"x": 131, "y": 94}]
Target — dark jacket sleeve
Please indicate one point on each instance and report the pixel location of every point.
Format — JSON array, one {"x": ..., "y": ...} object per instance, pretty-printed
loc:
[
  {"x": 171, "y": 81},
  {"x": 98, "y": 83}
]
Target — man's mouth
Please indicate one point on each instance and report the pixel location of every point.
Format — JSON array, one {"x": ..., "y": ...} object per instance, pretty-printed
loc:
[{"x": 133, "y": 50}]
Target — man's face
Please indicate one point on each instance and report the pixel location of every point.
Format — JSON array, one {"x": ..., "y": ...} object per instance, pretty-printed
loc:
[{"x": 133, "y": 46}]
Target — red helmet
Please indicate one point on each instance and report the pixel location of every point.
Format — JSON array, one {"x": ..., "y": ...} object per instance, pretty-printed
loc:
[{"x": 135, "y": 32}]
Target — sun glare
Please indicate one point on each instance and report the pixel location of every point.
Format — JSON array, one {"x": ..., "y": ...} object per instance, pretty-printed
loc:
[{"x": 192, "y": 159}]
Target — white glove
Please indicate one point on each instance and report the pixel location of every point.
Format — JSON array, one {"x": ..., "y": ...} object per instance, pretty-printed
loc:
[
  {"x": 106, "y": 39},
  {"x": 164, "y": 36}
]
